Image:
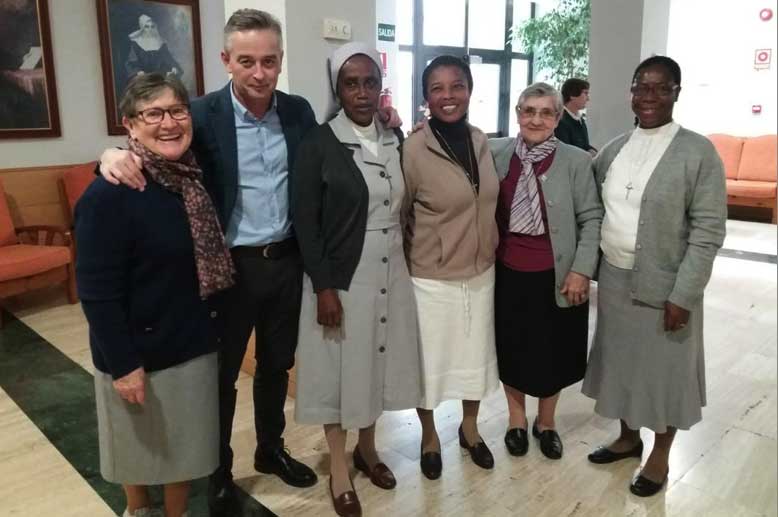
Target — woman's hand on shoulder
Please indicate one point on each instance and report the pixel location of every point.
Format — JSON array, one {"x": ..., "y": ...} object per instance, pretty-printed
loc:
[
  {"x": 329, "y": 309},
  {"x": 132, "y": 387},
  {"x": 575, "y": 288}
]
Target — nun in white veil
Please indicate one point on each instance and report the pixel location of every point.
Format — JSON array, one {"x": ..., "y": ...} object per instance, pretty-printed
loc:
[{"x": 149, "y": 52}]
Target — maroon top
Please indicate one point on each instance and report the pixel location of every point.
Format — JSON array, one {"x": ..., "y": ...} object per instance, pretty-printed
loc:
[{"x": 516, "y": 250}]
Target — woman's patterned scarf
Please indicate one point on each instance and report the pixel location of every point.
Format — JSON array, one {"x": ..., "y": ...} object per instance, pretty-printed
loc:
[{"x": 212, "y": 258}]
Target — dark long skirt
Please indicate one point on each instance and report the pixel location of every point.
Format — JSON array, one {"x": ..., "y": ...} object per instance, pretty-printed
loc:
[{"x": 541, "y": 347}]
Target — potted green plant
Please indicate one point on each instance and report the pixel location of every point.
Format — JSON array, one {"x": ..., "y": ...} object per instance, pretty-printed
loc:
[{"x": 558, "y": 40}]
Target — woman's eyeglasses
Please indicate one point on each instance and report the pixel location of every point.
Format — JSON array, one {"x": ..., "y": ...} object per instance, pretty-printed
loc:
[
  {"x": 529, "y": 113},
  {"x": 663, "y": 89},
  {"x": 156, "y": 115}
]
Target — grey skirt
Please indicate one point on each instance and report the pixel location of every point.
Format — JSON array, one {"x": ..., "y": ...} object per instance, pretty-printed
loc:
[
  {"x": 173, "y": 437},
  {"x": 637, "y": 372}
]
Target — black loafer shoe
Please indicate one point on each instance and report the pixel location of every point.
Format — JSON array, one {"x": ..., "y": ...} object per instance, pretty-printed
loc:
[
  {"x": 222, "y": 496},
  {"x": 480, "y": 453},
  {"x": 280, "y": 463},
  {"x": 431, "y": 464},
  {"x": 517, "y": 442},
  {"x": 644, "y": 487},
  {"x": 550, "y": 442},
  {"x": 604, "y": 455}
]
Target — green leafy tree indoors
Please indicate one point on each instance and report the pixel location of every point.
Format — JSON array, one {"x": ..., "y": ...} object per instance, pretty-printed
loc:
[{"x": 559, "y": 40}]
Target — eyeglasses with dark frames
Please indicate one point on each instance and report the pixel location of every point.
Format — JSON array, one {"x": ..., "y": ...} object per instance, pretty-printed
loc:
[
  {"x": 662, "y": 89},
  {"x": 157, "y": 115}
]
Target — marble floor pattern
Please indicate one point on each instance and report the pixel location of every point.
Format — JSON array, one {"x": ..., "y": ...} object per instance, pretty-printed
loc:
[{"x": 725, "y": 466}]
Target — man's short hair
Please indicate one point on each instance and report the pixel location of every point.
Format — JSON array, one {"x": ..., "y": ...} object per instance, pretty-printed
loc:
[
  {"x": 573, "y": 88},
  {"x": 251, "y": 20}
]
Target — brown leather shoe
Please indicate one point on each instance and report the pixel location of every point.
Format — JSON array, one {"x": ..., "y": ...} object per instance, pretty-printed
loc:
[
  {"x": 381, "y": 476},
  {"x": 347, "y": 503}
]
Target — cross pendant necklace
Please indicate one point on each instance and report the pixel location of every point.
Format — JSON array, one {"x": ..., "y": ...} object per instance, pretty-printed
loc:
[{"x": 628, "y": 188}]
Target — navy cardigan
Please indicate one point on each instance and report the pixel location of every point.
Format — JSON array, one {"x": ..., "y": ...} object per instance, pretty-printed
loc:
[{"x": 137, "y": 279}]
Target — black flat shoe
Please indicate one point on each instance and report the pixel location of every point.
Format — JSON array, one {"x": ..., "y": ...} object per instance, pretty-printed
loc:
[
  {"x": 280, "y": 463},
  {"x": 603, "y": 455},
  {"x": 641, "y": 486},
  {"x": 222, "y": 495},
  {"x": 431, "y": 464},
  {"x": 550, "y": 442},
  {"x": 480, "y": 453},
  {"x": 517, "y": 442}
]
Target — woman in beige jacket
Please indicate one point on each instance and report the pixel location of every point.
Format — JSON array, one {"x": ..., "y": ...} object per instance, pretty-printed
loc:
[{"x": 451, "y": 237}]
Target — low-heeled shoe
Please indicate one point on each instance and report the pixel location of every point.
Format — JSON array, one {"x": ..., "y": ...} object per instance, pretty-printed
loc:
[
  {"x": 550, "y": 442},
  {"x": 517, "y": 441},
  {"x": 347, "y": 503},
  {"x": 431, "y": 464},
  {"x": 380, "y": 475},
  {"x": 480, "y": 453},
  {"x": 641, "y": 486},
  {"x": 603, "y": 455}
]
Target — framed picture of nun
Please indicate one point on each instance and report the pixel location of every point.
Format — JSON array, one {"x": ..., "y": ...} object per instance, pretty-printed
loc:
[
  {"x": 143, "y": 36},
  {"x": 28, "y": 92}
]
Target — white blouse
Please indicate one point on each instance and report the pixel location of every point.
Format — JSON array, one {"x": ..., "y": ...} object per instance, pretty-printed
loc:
[
  {"x": 368, "y": 136},
  {"x": 623, "y": 188}
]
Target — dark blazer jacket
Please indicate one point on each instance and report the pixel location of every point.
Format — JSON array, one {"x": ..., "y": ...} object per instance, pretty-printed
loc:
[
  {"x": 137, "y": 279},
  {"x": 216, "y": 148},
  {"x": 573, "y": 132}
]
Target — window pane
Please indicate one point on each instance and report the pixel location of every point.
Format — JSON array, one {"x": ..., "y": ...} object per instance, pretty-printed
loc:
[
  {"x": 519, "y": 81},
  {"x": 522, "y": 11},
  {"x": 403, "y": 98},
  {"x": 484, "y": 103},
  {"x": 486, "y": 24},
  {"x": 404, "y": 28},
  {"x": 444, "y": 22}
]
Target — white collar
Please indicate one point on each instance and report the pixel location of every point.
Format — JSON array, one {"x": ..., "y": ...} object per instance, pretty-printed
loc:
[{"x": 577, "y": 117}]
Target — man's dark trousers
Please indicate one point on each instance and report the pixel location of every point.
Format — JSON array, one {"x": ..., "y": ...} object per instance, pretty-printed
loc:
[{"x": 266, "y": 298}]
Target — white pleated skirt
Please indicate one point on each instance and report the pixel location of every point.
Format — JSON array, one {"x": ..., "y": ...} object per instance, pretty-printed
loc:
[{"x": 456, "y": 329}]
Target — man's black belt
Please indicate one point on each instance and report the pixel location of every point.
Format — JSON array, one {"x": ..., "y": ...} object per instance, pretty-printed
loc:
[{"x": 272, "y": 251}]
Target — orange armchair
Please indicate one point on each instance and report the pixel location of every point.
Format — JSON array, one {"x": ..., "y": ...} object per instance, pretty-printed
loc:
[
  {"x": 73, "y": 184},
  {"x": 33, "y": 257}
]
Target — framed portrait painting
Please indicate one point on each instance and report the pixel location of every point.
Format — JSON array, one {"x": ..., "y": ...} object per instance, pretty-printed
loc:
[
  {"x": 144, "y": 36},
  {"x": 28, "y": 92}
]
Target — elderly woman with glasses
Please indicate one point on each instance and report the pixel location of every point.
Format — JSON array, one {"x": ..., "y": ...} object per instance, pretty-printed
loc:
[
  {"x": 664, "y": 194},
  {"x": 549, "y": 216},
  {"x": 147, "y": 263}
]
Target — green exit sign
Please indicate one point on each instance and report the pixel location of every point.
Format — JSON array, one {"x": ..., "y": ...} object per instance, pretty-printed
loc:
[{"x": 385, "y": 32}]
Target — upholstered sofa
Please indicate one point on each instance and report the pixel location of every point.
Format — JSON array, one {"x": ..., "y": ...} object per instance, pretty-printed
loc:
[{"x": 751, "y": 168}]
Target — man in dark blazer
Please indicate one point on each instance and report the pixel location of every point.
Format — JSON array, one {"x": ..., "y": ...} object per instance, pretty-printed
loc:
[
  {"x": 572, "y": 128},
  {"x": 245, "y": 139}
]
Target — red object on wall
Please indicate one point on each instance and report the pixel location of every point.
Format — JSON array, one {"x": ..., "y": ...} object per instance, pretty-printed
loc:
[
  {"x": 762, "y": 58},
  {"x": 766, "y": 14},
  {"x": 756, "y": 109},
  {"x": 384, "y": 63}
]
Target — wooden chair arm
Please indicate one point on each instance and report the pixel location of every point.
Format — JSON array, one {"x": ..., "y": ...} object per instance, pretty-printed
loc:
[{"x": 43, "y": 235}]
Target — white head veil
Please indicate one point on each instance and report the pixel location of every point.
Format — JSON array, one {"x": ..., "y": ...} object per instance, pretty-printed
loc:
[{"x": 336, "y": 62}]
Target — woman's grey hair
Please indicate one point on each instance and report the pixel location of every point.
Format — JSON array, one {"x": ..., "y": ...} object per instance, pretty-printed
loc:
[
  {"x": 251, "y": 20},
  {"x": 542, "y": 90},
  {"x": 147, "y": 87}
]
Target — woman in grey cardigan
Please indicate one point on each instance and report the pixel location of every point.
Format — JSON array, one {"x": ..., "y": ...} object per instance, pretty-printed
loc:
[
  {"x": 549, "y": 215},
  {"x": 664, "y": 194}
]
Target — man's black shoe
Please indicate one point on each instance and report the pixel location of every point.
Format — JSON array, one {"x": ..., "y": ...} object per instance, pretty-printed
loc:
[{"x": 280, "y": 463}]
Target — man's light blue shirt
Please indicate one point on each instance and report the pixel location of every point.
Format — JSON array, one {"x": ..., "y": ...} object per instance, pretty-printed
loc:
[{"x": 261, "y": 213}]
